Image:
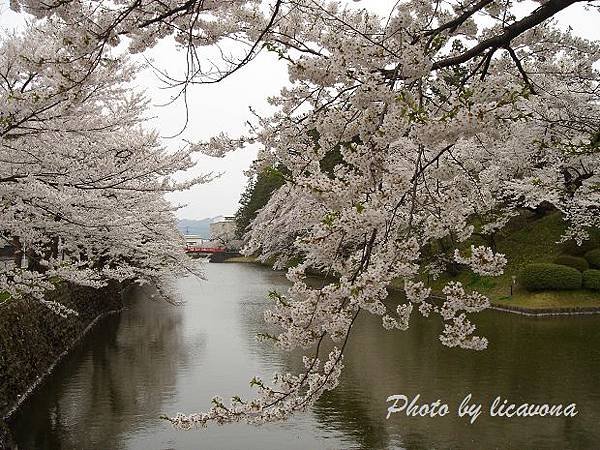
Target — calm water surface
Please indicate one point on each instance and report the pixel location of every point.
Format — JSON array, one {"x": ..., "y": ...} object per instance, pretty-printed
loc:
[{"x": 154, "y": 359}]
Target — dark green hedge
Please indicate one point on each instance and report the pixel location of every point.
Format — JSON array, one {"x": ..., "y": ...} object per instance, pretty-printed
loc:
[
  {"x": 539, "y": 277},
  {"x": 575, "y": 262},
  {"x": 591, "y": 279},
  {"x": 593, "y": 257}
]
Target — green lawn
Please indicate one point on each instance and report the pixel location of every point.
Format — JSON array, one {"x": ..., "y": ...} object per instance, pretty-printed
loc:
[
  {"x": 530, "y": 241},
  {"x": 242, "y": 259},
  {"x": 550, "y": 299}
]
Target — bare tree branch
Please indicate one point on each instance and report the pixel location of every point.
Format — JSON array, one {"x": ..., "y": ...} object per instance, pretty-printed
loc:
[{"x": 544, "y": 12}]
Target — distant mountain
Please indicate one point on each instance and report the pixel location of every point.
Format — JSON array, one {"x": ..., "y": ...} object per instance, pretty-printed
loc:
[{"x": 198, "y": 227}]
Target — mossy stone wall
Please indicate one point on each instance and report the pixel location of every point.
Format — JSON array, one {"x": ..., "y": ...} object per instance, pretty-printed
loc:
[{"x": 32, "y": 338}]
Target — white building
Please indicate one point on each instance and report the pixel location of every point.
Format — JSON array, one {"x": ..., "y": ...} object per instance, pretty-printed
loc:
[{"x": 194, "y": 240}]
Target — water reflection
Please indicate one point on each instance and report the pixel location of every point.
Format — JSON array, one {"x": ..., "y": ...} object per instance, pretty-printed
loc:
[
  {"x": 535, "y": 361},
  {"x": 113, "y": 384},
  {"x": 155, "y": 359}
]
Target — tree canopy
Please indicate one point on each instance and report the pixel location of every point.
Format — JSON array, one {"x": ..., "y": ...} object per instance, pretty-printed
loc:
[{"x": 256, "y": 195}]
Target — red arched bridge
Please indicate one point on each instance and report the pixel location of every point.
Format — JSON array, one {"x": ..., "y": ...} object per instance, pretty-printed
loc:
[
  {"x": 214, "y": 254},
  {"x": 209, "y": 250}
]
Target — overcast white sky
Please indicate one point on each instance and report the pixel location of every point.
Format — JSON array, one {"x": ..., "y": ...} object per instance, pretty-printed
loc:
[
  {"x": 216, "y": 108},
  {"x": 224, "y": 107}
]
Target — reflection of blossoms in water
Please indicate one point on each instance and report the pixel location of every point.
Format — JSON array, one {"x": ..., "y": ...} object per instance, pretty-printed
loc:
[{"x": 118, "y": 380}]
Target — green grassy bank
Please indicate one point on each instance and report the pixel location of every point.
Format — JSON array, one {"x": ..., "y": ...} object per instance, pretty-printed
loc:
[{"x": 529, "y": 240}]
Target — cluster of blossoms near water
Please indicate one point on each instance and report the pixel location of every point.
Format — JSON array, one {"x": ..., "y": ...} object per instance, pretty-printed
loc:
[{"x": 395, "y": 136}]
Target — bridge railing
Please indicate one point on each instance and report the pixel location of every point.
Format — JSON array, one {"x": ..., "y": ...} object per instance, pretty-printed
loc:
[{"x": 204, "y": 249}]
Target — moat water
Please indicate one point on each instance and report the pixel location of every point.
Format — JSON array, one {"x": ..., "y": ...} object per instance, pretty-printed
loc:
[{"x": 155, "y": 359}]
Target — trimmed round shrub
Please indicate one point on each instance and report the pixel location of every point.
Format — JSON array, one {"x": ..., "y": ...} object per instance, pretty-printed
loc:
[
  {"x": 591, "y": 279},
  {"x": 554, "y": 277},
  {"x": 593, "y": 257},
  {"x": 575, "y": 262}
]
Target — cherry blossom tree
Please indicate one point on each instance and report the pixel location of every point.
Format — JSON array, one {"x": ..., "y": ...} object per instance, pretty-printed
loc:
[
  {"x": 446, "y": 119},
  {"x": 81, "y": 181}
]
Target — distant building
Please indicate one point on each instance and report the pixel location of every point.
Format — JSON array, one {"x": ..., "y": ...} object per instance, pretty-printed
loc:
[{"x": 194, "y": 240}]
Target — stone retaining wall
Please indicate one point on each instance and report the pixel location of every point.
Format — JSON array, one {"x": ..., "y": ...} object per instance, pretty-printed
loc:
[
  {"x": 33, "y": 340},
  {"x": 544, "y": 312},
  {"x": 538, "y": 312}
]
